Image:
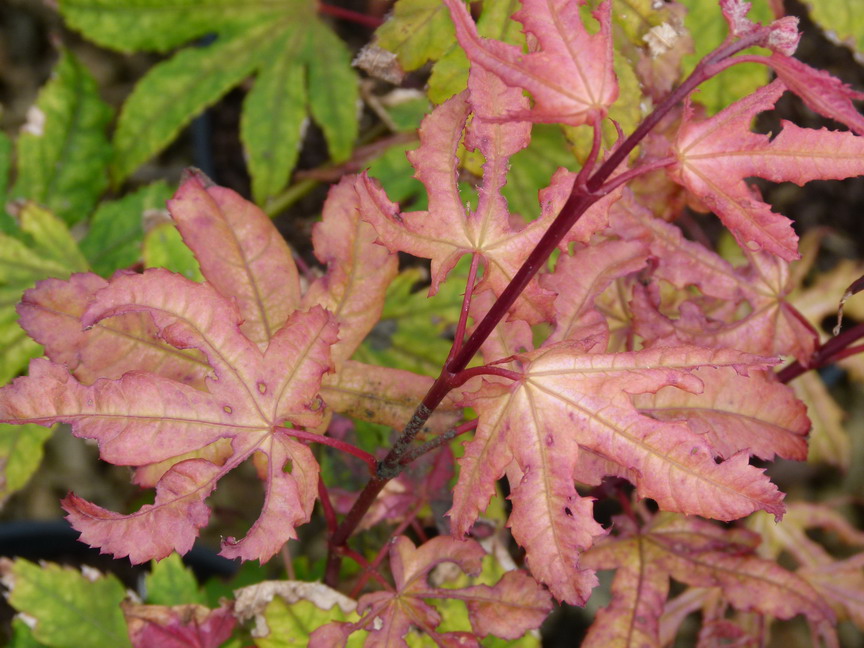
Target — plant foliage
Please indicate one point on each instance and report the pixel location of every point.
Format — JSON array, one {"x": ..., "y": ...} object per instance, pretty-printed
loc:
[{"x": 597, "y": 353}]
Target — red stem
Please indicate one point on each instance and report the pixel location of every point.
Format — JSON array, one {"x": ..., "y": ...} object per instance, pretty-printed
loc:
[
  {"x": 327, "y": 506},
  {"x": 367, "y": 568},
  {"x": 459, "y": 337},
  {"x": 834, "y": 349},
  {"x": 464, "y": 376},
  {"x": 334, "y": 443},
  {"x": 346, "y": 14},
  {"x": 581, "y": 198}
]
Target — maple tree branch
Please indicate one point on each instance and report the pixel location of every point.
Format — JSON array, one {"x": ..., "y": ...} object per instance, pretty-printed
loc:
[
  {"x": 367, "y": 458},
  {"x": 437, "y": 442},
  {"x": 327, "y": 506},
  {"x": 348, "y": 526},
  {"x": 486, "y": 370},
  {"x": 367, "y": 568},
  {"x": 459, "y": 336},
  {"x": 347, "y": 14},
  {"x": 837, "y": 348},
  {"x": 579, "y": 201},
  {"x": 627, "y": 176},
  {"x": 590, "y": 161}
]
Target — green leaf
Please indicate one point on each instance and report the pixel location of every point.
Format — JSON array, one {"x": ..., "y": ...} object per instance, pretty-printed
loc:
[
  {"x": 302, "y": 68},
  {"x": 63, "y": 152},
  {"x": 409, "y": 316},
  {"x": 271, "y": 126},
  {"x": 417, "y": 31},
  {"x": 709, "y": 29},
  {"x": 291, "y": 624},
  {"x": 173, "y": 92},
  {"x": 450, "y": 73},
  {"x": 41, "y": 248},
  {"x": 171, "y": 583},
  {"x": 164, "y": 248},
  {"x": 21, "y": 451},
  {"x": 71, "y": 609},
  {"x": 333, "y": 94},
  {"x": 841, "y": 20},
  {"x": 116, "y": 230},
  {"x": 22, "y": 635},
  {"x": 7, "y": 224},
  {"x": 396, "y": 175},
  {"x": 159, "y": 25},
  {"x": 531, "y": 168}
]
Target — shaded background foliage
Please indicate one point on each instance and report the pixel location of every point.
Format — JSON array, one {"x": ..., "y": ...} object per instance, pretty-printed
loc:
[{"x": 29, "y": 34}]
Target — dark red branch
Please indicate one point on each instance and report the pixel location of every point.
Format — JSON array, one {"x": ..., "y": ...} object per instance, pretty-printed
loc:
[
  {"x": 580, "y": 200},
  {"x": 353, "y": 16}
]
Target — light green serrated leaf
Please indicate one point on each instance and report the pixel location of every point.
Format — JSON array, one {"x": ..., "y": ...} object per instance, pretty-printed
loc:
[
  {"x": 333, "y": 93},
  {"x": 531, "y": 168},
  {"x": 274, "y": 111},
  {"x": 71, "y": 609},
  {"x": 291, "y": 624},
  {"x": 43, "y": 247},
  {"x": 63, "y": 151},
  {"x": 172, "y": 583},
  {"x": 17, "y": 346},
  {"x": 21, "y": 451},
  {"x": 417, "y": 31},
  {"x": 450, "y": 74},
  {"x": 158, "y": 25},
  {"x": 116, "y": 229},
  {"x": 396, "y": 175},
  {"x": 709, "y": 29},
  {"x": 52, "y": 239},
  {"x": 410, "y": 316},
  {"x": 842, "y": 21},
  {"x": 173, "y": 92},
  {"x": 164, "y": 248}
]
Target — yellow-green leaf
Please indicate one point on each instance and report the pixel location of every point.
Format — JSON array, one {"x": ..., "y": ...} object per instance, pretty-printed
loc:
[
  {"x": 63, "y": 151},
  {"x": 71, "y": 609}
]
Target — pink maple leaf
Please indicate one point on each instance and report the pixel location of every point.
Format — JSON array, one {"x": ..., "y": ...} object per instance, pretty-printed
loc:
[
  {"x": 569, "y": 400},
  {"x": 508, "y": 609},
  {"x": 570, "y": 74}
]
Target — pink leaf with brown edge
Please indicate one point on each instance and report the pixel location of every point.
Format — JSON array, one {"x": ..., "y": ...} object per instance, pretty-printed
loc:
[
  {"x": 240, "y": 252},
  {"x": 507, "y": 609},
  {"x": 679, "y": 261},
  {"x": 448, "y": 230},
  {"x": 143, "y": 418},
  {"x": 569, "y": 399},
  {"x": 734, "y": 413},
  {"x": 716, "y": 155},
  {"x": 579, "y": 279},
  {"x": 702, "y": 555},
  {"x": 748, "y": 582},
  {"x": 772, "y": 326},
  {"x": 170, "y": 524},
  {"x": 484, "y": 460},
  {"x": 565, "y": 50},
  {"x": 181, "y": 626},
  {"x": 639, "y": 592},
  {"x": 358, "y": 272},
  {"x": 51, "y": 314},
  {"x": 821, "y": 92}
]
